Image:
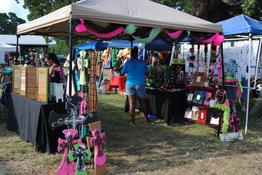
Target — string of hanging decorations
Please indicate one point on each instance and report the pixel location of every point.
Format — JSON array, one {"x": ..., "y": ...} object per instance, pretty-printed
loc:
[{"x": 112, "y": 31}]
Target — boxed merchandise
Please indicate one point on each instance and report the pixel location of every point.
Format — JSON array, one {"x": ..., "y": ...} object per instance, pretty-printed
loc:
[
  {"x": 17, "y": 79},
  {"x": 23, "y": 81},
  {"x": 31, "y": 83},
  {"x": 42, "y": 84}
]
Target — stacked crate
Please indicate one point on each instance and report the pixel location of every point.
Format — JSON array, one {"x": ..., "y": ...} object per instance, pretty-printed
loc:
[
  {"x": 23, "y": 81},
  {"x": 42, "y": 84},
  {"x": 31, "y": 83},
  {"x": 17, "y": 69}
]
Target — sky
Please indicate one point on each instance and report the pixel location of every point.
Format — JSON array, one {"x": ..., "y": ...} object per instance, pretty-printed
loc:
[{"x": 11, "y": 6}]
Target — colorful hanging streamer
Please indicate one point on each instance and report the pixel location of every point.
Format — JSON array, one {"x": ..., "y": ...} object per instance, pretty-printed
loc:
[
  {"x": 216, "y": 39},
  {"x": 131, "y": 29},
  {"x": 82, "y": 27},
  {"x": 153, "y": 34},
  {"x": 174, "y": 35}
]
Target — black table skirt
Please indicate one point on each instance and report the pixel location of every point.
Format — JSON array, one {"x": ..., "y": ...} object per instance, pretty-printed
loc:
[
  {"x": 169, "y": 106},
  {"x": 29, "y": 119}
]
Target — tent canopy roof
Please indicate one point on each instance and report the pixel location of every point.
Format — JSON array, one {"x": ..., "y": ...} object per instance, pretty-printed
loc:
[
  {"x": 144, "y": 13},
  {"x": 23, "y": 40},
  {"x": 241, "y": 24},
  {"x": 7, "y": 48}
]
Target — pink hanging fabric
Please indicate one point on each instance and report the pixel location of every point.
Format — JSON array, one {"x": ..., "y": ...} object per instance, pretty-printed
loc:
[
  {"x": 81, "y": 27},
  {"x": 219, "y": 69},
  {"x": 216, "y": 39},
  {"x": 174, "y": 35},
  {"x": 83, "y": 104}
]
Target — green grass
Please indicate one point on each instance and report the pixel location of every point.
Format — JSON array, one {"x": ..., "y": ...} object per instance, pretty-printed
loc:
[{"x": 147, "y": 149}]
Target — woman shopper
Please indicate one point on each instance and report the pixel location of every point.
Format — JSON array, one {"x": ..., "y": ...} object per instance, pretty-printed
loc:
[
  {"x": 135, "y": 84},
  {"x": 56, "y": 74}
]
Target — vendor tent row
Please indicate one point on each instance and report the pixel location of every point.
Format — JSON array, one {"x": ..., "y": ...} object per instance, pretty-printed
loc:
[{"x": 122, "y": 13}]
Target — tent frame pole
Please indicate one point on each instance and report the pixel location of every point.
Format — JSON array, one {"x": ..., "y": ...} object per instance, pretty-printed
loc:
[
  {"x": 16, "y": 49},
  {"x": 248, "y": 79},
  {"x": 257, "y": 63},
  {"x": 172, "y": 54},
  {"x": 222, "y": 61},
  {"x": 70, "y": 43}
]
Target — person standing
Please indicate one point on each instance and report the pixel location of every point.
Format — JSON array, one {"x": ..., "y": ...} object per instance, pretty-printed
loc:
[
  {"x": 56, "y": 74},
  {"x": 135, "y": 84}
]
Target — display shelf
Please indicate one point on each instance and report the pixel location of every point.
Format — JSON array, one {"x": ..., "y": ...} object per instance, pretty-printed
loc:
[
  {"x": 192, "y": 88},
  {"x": 196, "y": 104}
]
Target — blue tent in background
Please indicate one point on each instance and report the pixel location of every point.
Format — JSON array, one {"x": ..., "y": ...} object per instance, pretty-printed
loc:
[
  {"x": 125, "y": 44},
  {"x": 92, "y": 45},
  {"x": 241, "y": 24},
  {"x": 158, "y": 45},
  {"x": 244, "y": 25}
]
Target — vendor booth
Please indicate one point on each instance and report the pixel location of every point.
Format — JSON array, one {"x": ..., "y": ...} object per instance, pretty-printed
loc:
[
  {"x": 5, "y": 49},
  {"x": 247, "y": 27},
  {"x": 107, "y": 20}
]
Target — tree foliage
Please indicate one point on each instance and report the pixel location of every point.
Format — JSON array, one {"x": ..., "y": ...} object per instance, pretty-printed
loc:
[
  {"x": 217, "y": 10},
  {"x": 61, "y": 47},
  {"x": 9, "y": 22},
  {"x": 40, "y": 8}
]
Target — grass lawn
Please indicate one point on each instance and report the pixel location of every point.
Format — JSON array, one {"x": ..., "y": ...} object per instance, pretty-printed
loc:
[{"x": 147, "y": 149}]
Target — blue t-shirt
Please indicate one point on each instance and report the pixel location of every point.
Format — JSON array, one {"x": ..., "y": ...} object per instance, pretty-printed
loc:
[{"x": 136, "y": 71}]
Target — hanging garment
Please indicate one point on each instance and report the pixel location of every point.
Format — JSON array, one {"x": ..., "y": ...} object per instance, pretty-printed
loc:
[
  {"x": 234, "y": 123},
  {"x": 115, "y": 62},
  {"x": 82, "y": 63},
  {"x": 73, "y": 85}
]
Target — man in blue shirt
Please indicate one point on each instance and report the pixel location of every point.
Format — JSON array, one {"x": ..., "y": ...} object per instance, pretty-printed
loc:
[{"x": 135, "y": 84}]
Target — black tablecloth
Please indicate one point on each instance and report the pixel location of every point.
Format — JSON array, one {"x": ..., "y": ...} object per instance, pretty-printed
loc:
[
  {"x": 29, "y": 119},
  {"x": 169, "y": 106}
]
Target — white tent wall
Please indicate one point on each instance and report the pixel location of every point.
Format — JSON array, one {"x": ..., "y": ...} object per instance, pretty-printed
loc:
[
  {"x": 239, "y": 52},
  {"x": 2, "y": 57}
]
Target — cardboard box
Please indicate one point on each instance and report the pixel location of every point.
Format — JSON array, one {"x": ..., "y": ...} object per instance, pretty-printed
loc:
[
  {"x": 42, "y": 84},
  {"x": 17, "y": 70},
  {"x": 31, "y": 83}
]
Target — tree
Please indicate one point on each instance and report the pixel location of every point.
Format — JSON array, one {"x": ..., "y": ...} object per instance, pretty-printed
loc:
[
  {"x": 217, "y": 10},
  {"x": 40, "y": 8},
  {"x": 61, "y": 47},
  {"x": 9, "y": 22}
]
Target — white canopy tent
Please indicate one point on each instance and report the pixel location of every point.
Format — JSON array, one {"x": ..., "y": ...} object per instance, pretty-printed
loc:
[
  {"x": 142, "y": 13},
  {"x": 7, "y": 47},
  {"x": 139, "y": 12},
  {"x": 3, "y": 49}
]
